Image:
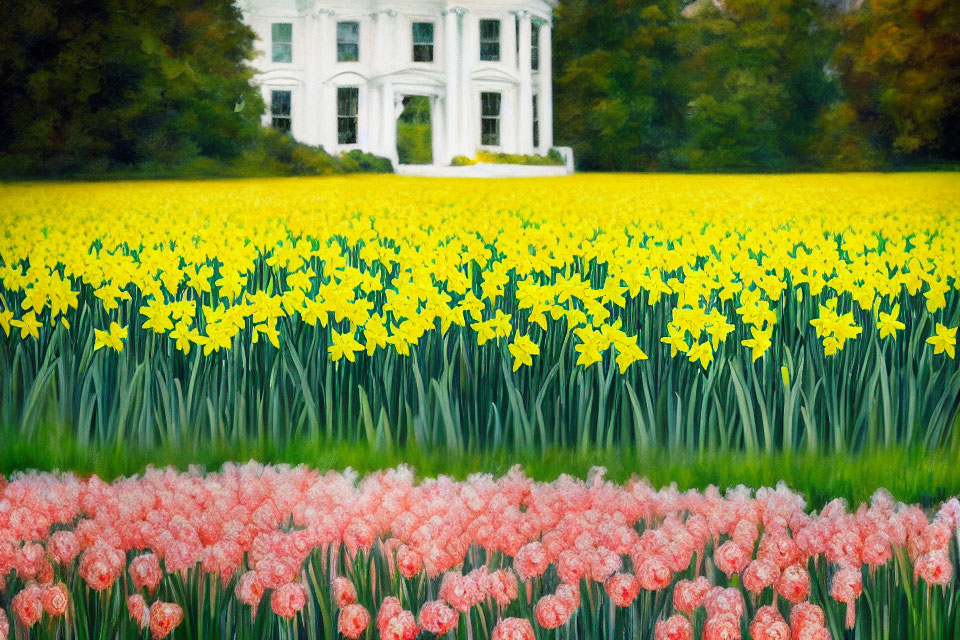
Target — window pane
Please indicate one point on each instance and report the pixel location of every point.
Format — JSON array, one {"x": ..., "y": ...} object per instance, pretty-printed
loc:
[
  {"x": 490, "y": 40},
  {"x": 490, "y": 104},
  {"x": 536, "y": 124},
  {"x": 282, "y": 41},
  {"x": 422, "y": 33},
  {"x": 348, "y": 53},
  {"x": 282, "y": 31},
  {"x": 490, "y": 135},
  {"x": 490, "y": 30},
  {"x": 348, "y": 99},
  {"x": 280, "y": 103},
  {"x": 490, "y": 119},
  {"x": 423, "y": 53},
  {"x": 490, "y": 51},
  {"x": 280, "y": 110},
  {"x": 347, "y": 130},
  {"x": 348, "y": 32},
  {"x": 282, "y": 52},
  {"x": 535, "y": 47},
  {"x": 348, "y": 41}
]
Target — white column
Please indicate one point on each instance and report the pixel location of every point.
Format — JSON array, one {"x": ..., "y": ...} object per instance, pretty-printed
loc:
[
  {"x": 467, "y": 137},
  {"x": 545, "y": 111},
  {"x": 324, "y": 49},
  {"x": 451, "y": 37},
  {"x": 368, "y": 125},
  {"x": 311, "y": 78},
  {"x": 379, "y": 44},
  {"x": 388, "y": 124},
  {"x": 525, "y": 96},
  {"x": 508, "y": 39},
  {"x": 438, "y": 143},
  {"x": 385, "y": 42}
]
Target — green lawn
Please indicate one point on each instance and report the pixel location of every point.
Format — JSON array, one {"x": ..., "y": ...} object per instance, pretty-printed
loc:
[{"x": 927, "y": 478}]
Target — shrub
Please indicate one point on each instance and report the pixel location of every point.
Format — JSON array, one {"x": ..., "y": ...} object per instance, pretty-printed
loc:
[
  {"x": 365, "y": 162},
  {"x": 551, "y": 159}
]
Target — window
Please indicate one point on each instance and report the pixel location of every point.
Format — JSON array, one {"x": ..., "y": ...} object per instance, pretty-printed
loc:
[
  {"x": 282, "y": 36},
  {"x": 490, "y": 119},
  {"x": 280, "y": 110},
  {"x": 490, "y": 40},
  {"x": 348, "y": 41},
  {"x": 423, "y": 42},
  {"x": 348, "y": 99},
  {"x": 536, "y": 124},
  {"x": 534, "y": 47}
]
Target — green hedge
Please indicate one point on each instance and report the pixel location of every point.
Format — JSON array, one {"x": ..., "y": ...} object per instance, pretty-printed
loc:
[
  {"x": 272, "y": 154},
  {"x": 553, "y": 158}
]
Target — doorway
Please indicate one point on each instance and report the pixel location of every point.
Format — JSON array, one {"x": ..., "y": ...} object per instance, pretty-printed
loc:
[{"x": 414, "y": 133}]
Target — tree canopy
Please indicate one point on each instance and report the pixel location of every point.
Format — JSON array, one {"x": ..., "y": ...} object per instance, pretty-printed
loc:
[
  {"x": 707, "y": 85},
  {"x": 758, "y": 84},
  {"x": 124, "y": 82}
]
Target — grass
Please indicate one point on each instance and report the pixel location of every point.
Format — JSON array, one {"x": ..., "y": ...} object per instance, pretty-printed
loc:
[{"x": 923, "y": 477}]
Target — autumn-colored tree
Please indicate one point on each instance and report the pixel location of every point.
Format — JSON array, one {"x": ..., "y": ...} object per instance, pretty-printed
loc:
[{"x": 899, "y": 62}]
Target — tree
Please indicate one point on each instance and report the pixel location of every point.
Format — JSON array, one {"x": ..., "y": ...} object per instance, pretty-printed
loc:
[
  {"x": 620, "y": 98},
  {"x": 106, "y": 83},
  {"x": 758, "y": 84},
  {"x": 899, "y": 62},
  {"x": 706, "y": 86}
]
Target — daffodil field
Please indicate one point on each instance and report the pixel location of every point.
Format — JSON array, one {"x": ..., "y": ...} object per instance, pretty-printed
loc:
[
  {"x": 814, "y": 313},
  {"x": 801, "y": 318}
]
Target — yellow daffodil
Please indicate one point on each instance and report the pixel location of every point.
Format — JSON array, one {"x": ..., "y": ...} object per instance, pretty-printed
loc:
[
  {"x": 523, "y": 349},
  {"x": 889, "y": 323},
  {"x": 267, "y": 329},
  {"x": 343, "y": 346},
  {"x": 113, "y": 338},
  {"x": 29, "y": 326},
  {"x": 702, "y": 353},
  {"x": 944, "y": 340}
]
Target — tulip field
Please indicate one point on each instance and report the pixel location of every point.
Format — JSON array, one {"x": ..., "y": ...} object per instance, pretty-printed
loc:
[
  {"x": 254, "y": 551},
  {"x": 657, "y": 316}
]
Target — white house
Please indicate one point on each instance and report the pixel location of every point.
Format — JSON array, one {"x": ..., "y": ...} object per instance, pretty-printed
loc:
[{"x": 335, "y": 72}]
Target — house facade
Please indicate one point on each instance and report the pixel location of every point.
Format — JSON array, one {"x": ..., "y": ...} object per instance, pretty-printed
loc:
[{"x": 336, "y": 72}]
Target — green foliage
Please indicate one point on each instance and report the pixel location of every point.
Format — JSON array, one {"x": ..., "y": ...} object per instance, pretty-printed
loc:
[
  {"x": 414, "y": 134},
  {"x": 158, "y": 88},
  {"x": 620, "y": 95},
  {"x": 273, "y": 154},
  {"x": 758, "y": 84},
  {"x": 553, "y": 158},
  {"x": 357, "y": 161},
  {"x": 96, "y": 86},
  {"x": 899, "y": 61},
  {"x": 913, "y": 476},
  {"x": 451, "y": 394},
  {"x": 413, "y": 143}
]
